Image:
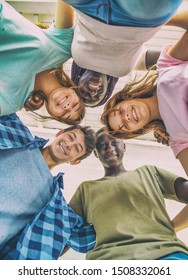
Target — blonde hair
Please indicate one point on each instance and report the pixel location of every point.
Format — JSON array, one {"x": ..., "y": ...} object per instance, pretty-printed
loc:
[{"x": 144, "y": 87}]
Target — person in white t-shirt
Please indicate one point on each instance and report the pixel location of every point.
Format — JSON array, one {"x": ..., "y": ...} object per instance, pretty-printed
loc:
[{"x": 108, "y": 40}]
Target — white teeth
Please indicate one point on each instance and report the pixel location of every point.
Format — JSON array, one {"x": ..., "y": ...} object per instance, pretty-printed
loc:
[
  {"x": 61, "y": 101},
  {"x": 62, "y": 148},
  {"x": 134, "y": 115},
  {"x": 94, "y": 86}
]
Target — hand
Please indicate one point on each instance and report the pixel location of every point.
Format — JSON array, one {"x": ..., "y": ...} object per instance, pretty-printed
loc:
[
  {"x": 162, "y": 138},
  {"x": 35, "y": 102}
]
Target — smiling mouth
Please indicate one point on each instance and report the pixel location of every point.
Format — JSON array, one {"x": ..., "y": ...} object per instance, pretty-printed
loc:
[
  {"x": 111, "y": 156},
  {"x": 94, "y": 87},
  {"x": 134, "y": 114},
  {"x": 63, "y": 149},
  {"x": 62, "y": 101}
]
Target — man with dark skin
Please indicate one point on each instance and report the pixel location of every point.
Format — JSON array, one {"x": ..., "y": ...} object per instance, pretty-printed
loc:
[{"x": 127, "y": 208}]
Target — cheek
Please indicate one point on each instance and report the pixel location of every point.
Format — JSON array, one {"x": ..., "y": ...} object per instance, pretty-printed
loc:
[
  {"x": 50, "y": 105},
  {"x": 74, "y": 98},
  {"x": 83, "y": 81},
  {"x": 144, "y": 114},
  {"x": 112, "y": 121},
  {"x": 49, "y": 108}
]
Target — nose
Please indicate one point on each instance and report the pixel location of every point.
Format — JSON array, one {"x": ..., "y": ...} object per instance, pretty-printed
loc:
[
  {"x": 93, "y": 93},
  {"x": 67, "y": 106},
  {"x": 127, "y": 117},
  {"x": 68, "y": 145},
  {"x": 109, "y": 147}
]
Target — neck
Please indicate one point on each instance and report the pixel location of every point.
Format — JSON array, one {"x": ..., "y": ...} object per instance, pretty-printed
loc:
[
  {"x": 51, "y": 163},
  {"x": 114, "y": 171},
  {"x": 154, "y": 107},
  {"x": 46, "y": 82}
]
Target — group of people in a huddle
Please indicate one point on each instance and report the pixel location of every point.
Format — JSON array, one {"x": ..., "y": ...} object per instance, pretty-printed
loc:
[{"x": 121, "y": 215}]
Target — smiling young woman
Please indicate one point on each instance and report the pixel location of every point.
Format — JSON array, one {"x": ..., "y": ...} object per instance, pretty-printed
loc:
[{"x": 28, "y": 57}]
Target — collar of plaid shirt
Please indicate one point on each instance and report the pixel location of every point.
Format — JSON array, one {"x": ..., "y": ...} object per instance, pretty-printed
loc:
[{"x": 56, "y": 225}]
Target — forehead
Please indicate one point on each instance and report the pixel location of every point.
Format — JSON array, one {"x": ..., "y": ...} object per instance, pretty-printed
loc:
[
  {"x": 105, "y": 137},
  {"x": 78, "y": 133}
]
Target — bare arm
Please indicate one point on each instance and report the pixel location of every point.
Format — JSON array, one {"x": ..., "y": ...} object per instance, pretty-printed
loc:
[
  {"x": 180, "y": 221},
  {"x": 183, "y": 158},
  {"x": 150, "y": 57},
  {"x": 180, "y": 49},
  {"x": 64, "y": 16},
  {"x": 180, "y": 19}
]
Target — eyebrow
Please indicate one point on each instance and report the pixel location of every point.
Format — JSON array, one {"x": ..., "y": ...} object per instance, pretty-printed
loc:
[{"x": 74, "y": 134}]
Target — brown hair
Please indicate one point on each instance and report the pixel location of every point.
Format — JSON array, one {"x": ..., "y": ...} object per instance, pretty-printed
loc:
[
  {"x": 90, "y": 138},
  {"x": 65, "y": 81},
  {"x": 144, "y": 87}
]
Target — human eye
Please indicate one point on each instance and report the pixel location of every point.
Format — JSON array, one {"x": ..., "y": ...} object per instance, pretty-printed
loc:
[
  {"x": 79, "y": 148},
  {"x": 101, "y": 146},
  {"x": 120, "y": 111},
  {"x": 115, "y": 143}
]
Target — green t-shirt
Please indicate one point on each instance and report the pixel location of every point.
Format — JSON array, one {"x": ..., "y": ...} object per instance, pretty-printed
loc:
[{"x": 129, "y": 215}]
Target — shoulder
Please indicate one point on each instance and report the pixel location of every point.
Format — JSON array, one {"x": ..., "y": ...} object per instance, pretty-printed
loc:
[
  {"x": 60, "y": 34},
  {"x": 166, "y": 60},
  {"x": 91, "y": 182},
  {"x": 146, "y": 168}
]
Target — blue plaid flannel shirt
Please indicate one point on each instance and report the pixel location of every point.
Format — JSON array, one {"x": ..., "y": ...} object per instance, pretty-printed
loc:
[{"x": 56, "y": 225}]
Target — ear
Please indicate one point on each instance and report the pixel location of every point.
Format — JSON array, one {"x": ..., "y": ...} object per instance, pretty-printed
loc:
[
  {"x": 74, "y": 162},
  {"x": 95, "y": 153},
  {"x": 59, "y": 132}
]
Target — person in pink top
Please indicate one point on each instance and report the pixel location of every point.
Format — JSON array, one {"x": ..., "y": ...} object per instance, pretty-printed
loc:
[{"x": 158, "y": 102}]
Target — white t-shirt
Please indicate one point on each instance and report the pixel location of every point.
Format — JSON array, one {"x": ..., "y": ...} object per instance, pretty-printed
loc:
[{"x": 108, "y": 49}]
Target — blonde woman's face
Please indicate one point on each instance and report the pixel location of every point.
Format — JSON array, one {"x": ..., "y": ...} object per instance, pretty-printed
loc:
[
  {"x": 63, "y": 103},
  {"x": 130, "y": 115}
]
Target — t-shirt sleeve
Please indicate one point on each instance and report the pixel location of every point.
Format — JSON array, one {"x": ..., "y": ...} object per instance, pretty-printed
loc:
[
  {"x": 178, "y": 146},
  {"x": 166, "y": 182},
  {"x": 76, "y": 202},
  {"x": 63, "y": 37},
  {"x": 165, "y": 61}
]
